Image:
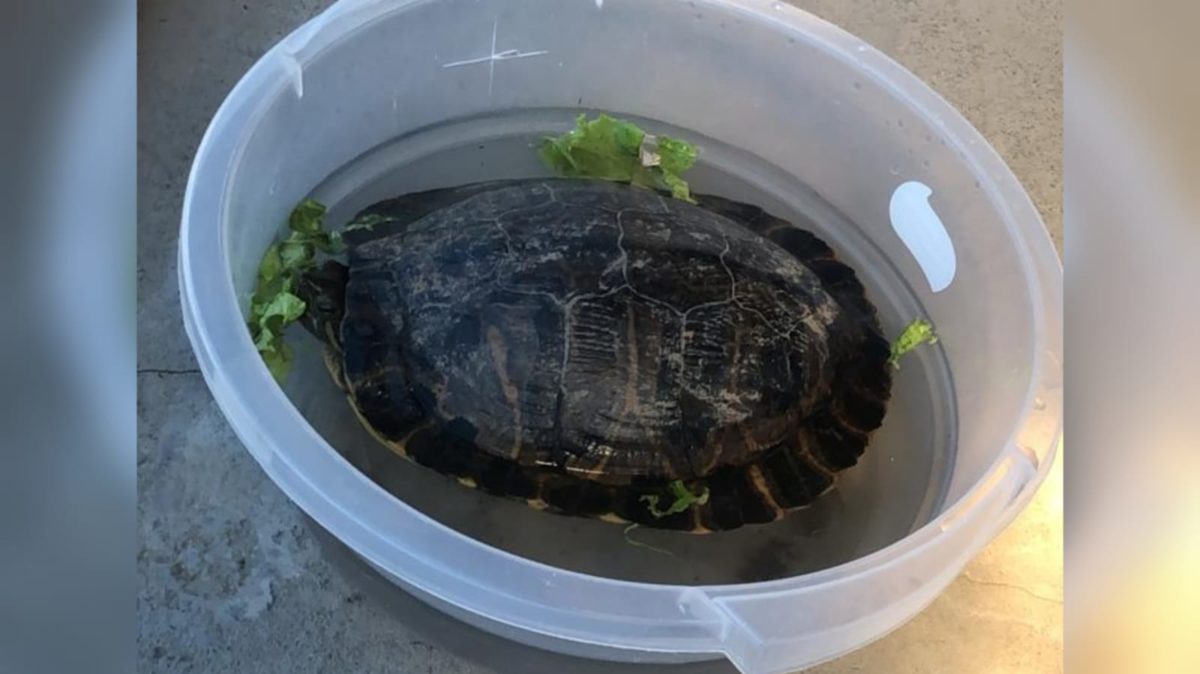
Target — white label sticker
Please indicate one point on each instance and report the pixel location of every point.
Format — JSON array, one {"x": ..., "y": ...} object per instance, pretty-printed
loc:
[{"x": 922, "y": 231}]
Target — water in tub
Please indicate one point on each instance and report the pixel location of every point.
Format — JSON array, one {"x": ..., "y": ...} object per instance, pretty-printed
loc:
[{"x": 896, "y": 487}]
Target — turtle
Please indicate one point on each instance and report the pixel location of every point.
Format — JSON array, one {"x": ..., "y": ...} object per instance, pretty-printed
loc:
[{"x": 588, "y": 347}]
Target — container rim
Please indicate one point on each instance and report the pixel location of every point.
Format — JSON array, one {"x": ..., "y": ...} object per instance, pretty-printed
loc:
[{"x": 216, "y": 312}]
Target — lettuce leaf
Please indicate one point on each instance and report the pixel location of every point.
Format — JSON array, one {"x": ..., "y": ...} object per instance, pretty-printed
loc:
[
  {"x": 681, "y": 500},
  {"x": 607, "y": 148},
  {"x": 273, "y": 306},
  {"x": 915, "y": 334}
]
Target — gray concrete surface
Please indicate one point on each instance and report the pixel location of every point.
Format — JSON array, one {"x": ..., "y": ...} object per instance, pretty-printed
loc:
[{"x": 231, "y": 576}]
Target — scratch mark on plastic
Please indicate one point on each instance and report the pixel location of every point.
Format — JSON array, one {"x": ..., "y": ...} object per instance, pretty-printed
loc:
[
  {"x": 502, "y": 56},
  {"x": 494, "y": 56}
]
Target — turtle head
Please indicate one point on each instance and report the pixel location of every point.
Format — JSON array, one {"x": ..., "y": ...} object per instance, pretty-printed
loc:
[{"x": 323, "y": 290}]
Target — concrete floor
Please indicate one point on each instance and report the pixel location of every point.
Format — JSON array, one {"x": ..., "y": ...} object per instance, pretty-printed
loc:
[{"x": 232, "y": 578}]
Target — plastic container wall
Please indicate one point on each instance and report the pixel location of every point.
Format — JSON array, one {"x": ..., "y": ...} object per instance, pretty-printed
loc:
[{"x": 760, "y": 76}]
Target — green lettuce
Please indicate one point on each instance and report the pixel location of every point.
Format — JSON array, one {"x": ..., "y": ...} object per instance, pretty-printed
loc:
[
  {"x": 681, "y": 499},
  {"x": 915, "y": 334},
  {"x": 606, "y": 148},
  {"x": 273, "y": 306}
]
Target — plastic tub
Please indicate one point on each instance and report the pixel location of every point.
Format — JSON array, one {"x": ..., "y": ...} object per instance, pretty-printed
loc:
[{"x": 375, "y": 97}]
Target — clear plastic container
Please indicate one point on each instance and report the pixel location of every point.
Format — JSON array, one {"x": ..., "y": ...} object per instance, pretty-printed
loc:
[{"x": 377, "y": 97}]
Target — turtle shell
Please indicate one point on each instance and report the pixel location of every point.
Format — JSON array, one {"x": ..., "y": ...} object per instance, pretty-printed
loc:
[{"x": 581, "y": 345}]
